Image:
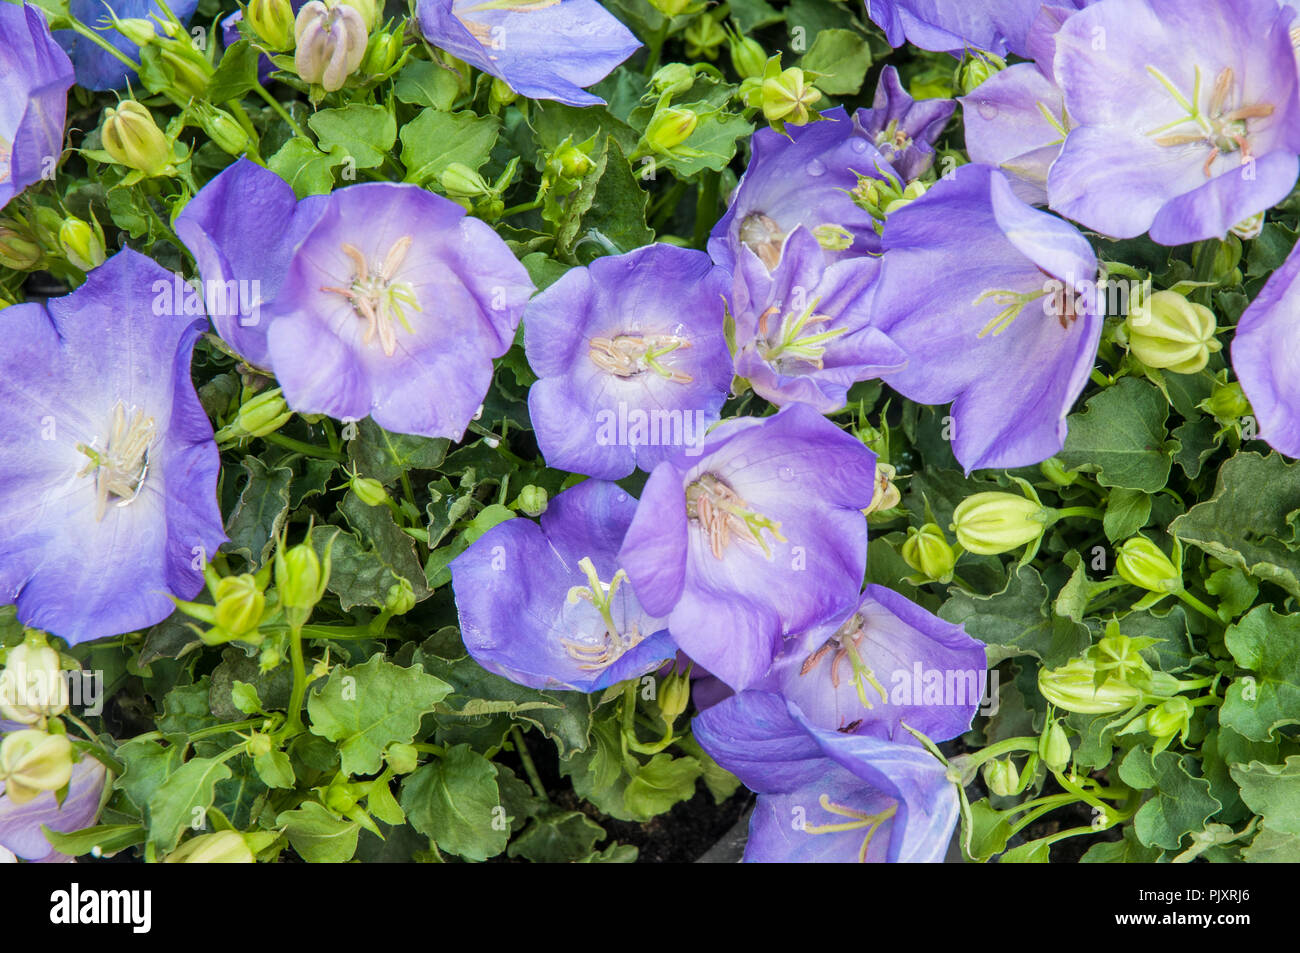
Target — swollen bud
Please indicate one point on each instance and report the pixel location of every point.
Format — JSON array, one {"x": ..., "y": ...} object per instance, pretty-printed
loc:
[
  {"x": 32, "y": 687},
  {"x": 992, "y": 523},
  {"x": 369, "y": 491},
  {"x": 671, "y": 8},
  {"x": 1073, "y": 687},
  {"x": 272, "y": 21},
  {"x": 1142, "y": 563},
  {"x": 133, "y": 139},
  {"x": 673, "y": 78},
  {"x": 788, "y": 96},
  {"x": 400, "y": 598},
  {"x": 747, "y": 57},
  {"x": 1170, "y": 718},
  {"x": 300, "y": 579},
  {"x": 532, "y": 500},
  {"x": 976, "y": 68},
  {"x": 136, "y": 29},
  {"x": 1169, "y": 332},
  {"x": 704, "y": 37},
  {"x": 502, "y": 94},
  {"x": 32, "y": 762},
  {"x": 82, "y": 244},
  {"x": 1002, "y": 777},
  {"x": 331, "y": 44},
  {"x": 460, "y": 181},
  {"x": 263, "y": 414},
  {"x": 1054, "y": 747},
  {"x": 18, "y": 251},
  {"x": 927, "y": 551},
  {"x": 223, "y": 847},
  {"x": 239, "y": 604},
  {"x": 674, "y": 696},
  {"x": 669, "y": 128},
  {"x": 222, "y": 129},
  {"x": 402, "y": 758},
  {"x": 1227, "y": 402}
]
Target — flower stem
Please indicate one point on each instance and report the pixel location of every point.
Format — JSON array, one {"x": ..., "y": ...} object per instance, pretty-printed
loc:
[
  {"x": 298, "y": 446},
  {"x": 280, "y": 111},
  {"x": 530, "y": 768}
]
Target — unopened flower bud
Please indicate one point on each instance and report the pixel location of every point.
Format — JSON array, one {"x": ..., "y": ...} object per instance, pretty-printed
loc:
[
  {"x": 671, "y": 8},
  {"x": 239, "y": 604},
  {"x": 223, "y": 847},
  {"x": 18, "y": 251},
  {"x": 788, "y": 96},
  {"x": 259, "y": 744},
  {"x": 1169, "y": 332},
  {"x": 1002, "y": 777},
  {"x": 1142, "y": 563},
  {"x": 81, "y": 244},
  {"x": 402, "y": 758},
  {"x": 927, "y": 551},
  {"x": 992, "y": 523},
  {"x": 502, "y": 94},
  {"x": 32, "y": 687},
  {"x": 1054, "y": 470},
  {"x": 369, "y": 491},
  {"x": 460, "y": 181},
  {"x": 190, "y": 71},
  {"x": 571, "y": 161},
  {"x": 400, "y": 598},
  {"x": 272, "y": 21},
  {"x": 32, "y": 762},
  {"x": 1073, "y": 687},
  {"x": 136, "y": 29},
  {"x": 1227, "y": 256},
  {"x": 225, "y": 131},
  {"x": 747, "y": 57},
  {"x": 382, "y": 52},
  {"x": 669, "y": 128},
  {"x": 976, "y": 68},
  {"x": 704, "y": 37},
  {"x": 331, "y": 44},
  {"x": 134, "y": 140},
  {"x": 1054, "y": 747},
  {"x": 1170, "y": 718},
  {"x": 263, "y": 414},
  {"x": 1227, "y": 401},
  {"x": 674, "y": 695},
  {"x": 532, "y": 500},
  {"x": 300, "y": 579},
  {"x": 341, "y": 796},
  {"x": 673, "y": 78}
]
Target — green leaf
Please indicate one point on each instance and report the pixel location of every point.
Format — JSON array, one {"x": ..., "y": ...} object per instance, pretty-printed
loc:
[
  {"x": 842, "y": 58},
  {"x": 364, "y": 133},
  {"x": 618, "y": 209},
  {"x": 260, "y": 513},
  {"x": 423, "y": 83},
  {"x": 148, "y": 764},
  {"x": 1273, "y": 792},
  {"x": 275, "y": 769},
  {"x": 1272, "y": 847},
  {"x": 1246, "y": 523},
  {"x": 236, "y": 74},
  {"x": 108, "y": 838},
  {"x": 308, "y": 170},
  {"x": 559, "y": 838},
  {"x": 660, "y": 784},
  {"x": 433, "y": 140},
  {"x": 1127, "y": 511},
  {"x": 385, "y": 456},
  {"x": 319, "y": 836},
  {"x": 1182, "y": 803},
  {"x": 1268, "y": 645},
  {"x": 375, "y": 527},
  {"x": 183, "y": 799},
  {"x": 455, "y": 802},
  {"x": 987, "y": 831},
  {"x": 1121, "y": 437},
  {"x": 365, "y": 708},
  {"x": 359, "y": 576},
  {"x": 1018, "y": 621},
  {"x": 272, "y": 688},
  {"x": 1128, "y": 850}
]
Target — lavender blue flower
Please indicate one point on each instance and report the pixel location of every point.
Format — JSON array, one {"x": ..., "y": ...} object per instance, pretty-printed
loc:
[
  {"x": 20, "y": 825},
  {"x": 394, "y": 305},
  {"x": 1009, "y": 335},
  {"x": 549, "y": 606},
  {"x": 544, "y": 49},
  {"x": 37, "y": 76},
  {"x": 108, "y": 467},
  {"x": 97, "y": 68},
  {"x": 825, "y": 796},
  {"x": 631, "y": 359},
  {"x": 761, "y": 535},
  {"x": 1185, "y": 123},
  {"x": 904, "y": 129},
  {"x": 953, "y": 26},
  {"x": 1264, "y": 355},
  {"x": 803, "y": 178},
  {"x": 890, "y": 661},
  {"x": 804, "y": 331},
  {"x": 1016, "y": 120}
]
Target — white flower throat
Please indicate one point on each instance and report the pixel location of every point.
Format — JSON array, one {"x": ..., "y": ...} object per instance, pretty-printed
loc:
[
  {"x": 121, "y": 466},
  {"x": 378, "y": 297}
]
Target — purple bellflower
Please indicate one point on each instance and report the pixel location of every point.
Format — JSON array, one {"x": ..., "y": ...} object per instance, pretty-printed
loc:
[
  {"x": 825, "y": 796},
  {"x": 760, "y": 536},
  {"x": 904, "y": 129},
  {"x": 889, "y": 662},
  {"x": 953, "y": 26},
  {"x": 1266, "y": 357},
  {"x": 1009, "y": 331},
  {"x": 97, "y": 68},
  {"x": 394, "y": 305},
  {"x": 37, "y": 76},
  {"x": 803, "y": 331},
  {"x": 20, "y": 824},
  {"x": 108, "y": 466},
  {"x": 631, "y": 359},
  {"x": 1185, "y": 124},
  {"x": 544, "y": 49},
  {"x": 548, "y": 606},
  {"x": 242, "y": 229},
  {"x": 806, "y": 177}
]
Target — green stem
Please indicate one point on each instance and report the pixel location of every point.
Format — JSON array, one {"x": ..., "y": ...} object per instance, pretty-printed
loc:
[
  {"x": 520, "y": 209},
  {"x": 998, "y": 749},
  {"x": 530, "y": 768},
  {"x": 98, "y": 39},
  {"x": 1198, "y": 605},
  {"x": 293, "y": 721},
  {"x": 280, "y": 111},
  {"x": 656, "y": 47},
  {"x": 298, "y": 446},
  {"x": 1088, "y": 512}
]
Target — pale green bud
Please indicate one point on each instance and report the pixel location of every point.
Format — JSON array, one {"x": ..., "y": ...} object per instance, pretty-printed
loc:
[
  {"x": 669, "y": 128},
  {"x": 747, "y": 56},
  {"x": 18, "y": 251},
  {"x": 239, "y": 604},
  {"x": 927, "y": 551},
  {"x": 1169, "y": 332},
  {"x": 674, "y": 695},
  {"x": 1227, "y": 401},
  {"x": 32, "y": 687},
  {"x": 225, "y": 131},
  {"x": 1002, "y": 777},
  {"x": 1054, "y": 747},
  {"x": 400, "y": 598},
  {"x": 81, "y": 244},
  {"x": 134, "y": 140},
  {"x": 532, "y": 500},
  {"x": 1073, "y": 687},
  {"x": 992, "y": 523},
  {"x": 402, "y": 758},
  {"x": 272, "y": 21},
  {"x": 33, "y": 762},
  {"x": 223, "y": 847},
  {"x": 1054, "y": 470},
  {"x": 1142, "y": 563},
  {"x": 459, "y": 180},
  {"x": 263, "y": 414}
]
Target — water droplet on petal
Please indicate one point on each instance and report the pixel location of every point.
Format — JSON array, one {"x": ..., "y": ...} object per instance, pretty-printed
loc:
[
  {"x": 987, "y": 109},
  {"x": 816, "y": 167},
  {"x": 858, "y": 145},
  {"x": 785, "y": 473}
]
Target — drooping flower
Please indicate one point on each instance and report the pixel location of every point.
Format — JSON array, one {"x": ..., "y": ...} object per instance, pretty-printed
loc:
[
  {"x": 394, "y": 305},
  {"x": 760, "y": 536},
  {"x": 545, "y": 49},
  {"x": 953, "y": 26},
  {"x": 1009, "y": 334},
  {"x": 20, "y": 824},
  {"x": 888, "y": 662},
  {"x": 98, "y": 69},
  {"x": 1265, "y": 352},
  {"x": 1185, "y": 137},
  {"x": 904, "y": 129},
  {"x": 825, "y": 796},
  {"x": 632, "y": 360},
  {"x": 804, "y": 331},
  {"x": 37, "y": 75},
  {"x": 108, "y": 467},
  {"x": 806, "y": 177},
  {"x": 549, "y": 606},
  {"x": 242, "y": 229}
]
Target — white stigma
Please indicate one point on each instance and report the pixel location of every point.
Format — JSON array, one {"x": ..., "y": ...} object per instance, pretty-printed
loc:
[
  {"x": 121, "y": 467},
  {"x": 377, "y": 297}
]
